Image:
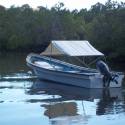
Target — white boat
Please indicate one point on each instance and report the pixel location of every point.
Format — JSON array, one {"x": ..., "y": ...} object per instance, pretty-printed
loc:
[{"x": 51, "y": 69}]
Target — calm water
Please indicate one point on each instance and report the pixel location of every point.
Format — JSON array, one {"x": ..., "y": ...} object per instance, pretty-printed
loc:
[{"x": 24, "y": 100}]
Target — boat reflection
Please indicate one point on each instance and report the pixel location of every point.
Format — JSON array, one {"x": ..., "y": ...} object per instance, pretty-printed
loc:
[
  {"x": 66, "y": 92},
  {"x": 64, "y": 104}
]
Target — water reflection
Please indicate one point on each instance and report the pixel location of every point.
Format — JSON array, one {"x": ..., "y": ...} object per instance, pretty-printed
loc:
[
  {"x": 73, "y": 92},
  {"x": 12, "y": 62},
  {"x": 60, "y": 109},
  {"x": 58, "y": 104},
  {"x": 110, "y": 104},
  {"x": 63, "y": 105},
  {"x": 19, "y": 76}
]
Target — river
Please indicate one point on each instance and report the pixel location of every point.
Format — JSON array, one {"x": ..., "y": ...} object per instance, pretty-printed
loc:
[{"x": 25, "y": 100}]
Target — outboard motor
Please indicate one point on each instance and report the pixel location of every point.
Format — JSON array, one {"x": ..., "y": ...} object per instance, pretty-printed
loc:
[{"x": 104, "y": 70}]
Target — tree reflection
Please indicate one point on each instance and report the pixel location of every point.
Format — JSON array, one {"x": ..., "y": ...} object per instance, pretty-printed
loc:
[{"x": 108, "y": 102}]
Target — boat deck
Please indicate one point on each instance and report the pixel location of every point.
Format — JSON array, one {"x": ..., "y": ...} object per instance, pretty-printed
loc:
[{"x": 47, "y": 65}]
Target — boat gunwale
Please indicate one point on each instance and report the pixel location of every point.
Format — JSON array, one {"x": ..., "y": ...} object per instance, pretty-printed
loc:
[
  {"x": 62, "y": 62},
  {"x": 57, "y": 61}
]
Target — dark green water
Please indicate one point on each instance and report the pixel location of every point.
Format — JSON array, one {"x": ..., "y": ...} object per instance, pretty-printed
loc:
[{"x": 25, "y": 100}]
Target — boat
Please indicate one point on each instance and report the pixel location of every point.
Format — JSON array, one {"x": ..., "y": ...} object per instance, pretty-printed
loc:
[{"x": 52, "y": 69}]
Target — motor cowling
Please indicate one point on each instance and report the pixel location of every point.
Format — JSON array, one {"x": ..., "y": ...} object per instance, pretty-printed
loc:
[{"x": 104, "y": 70}]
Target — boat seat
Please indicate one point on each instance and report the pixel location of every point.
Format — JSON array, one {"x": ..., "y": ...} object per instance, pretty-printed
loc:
[
  {"x": 47, "y": 65},
  {"x": 43, "y": 64},
  {"x": 72, "y": 71}
]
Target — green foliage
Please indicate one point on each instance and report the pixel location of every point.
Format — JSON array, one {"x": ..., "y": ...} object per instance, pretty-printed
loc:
[
  {"x": 26, "y": 29},
  {"x": 106, "y": 30}
]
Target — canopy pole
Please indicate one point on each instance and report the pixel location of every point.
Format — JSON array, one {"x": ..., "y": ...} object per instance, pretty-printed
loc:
[
  {"x": 51, "y": 49},
  {"x": 93, "y": 61},
  {"x": 83, "y": 62},
  {"x": 50, "y": 52}
]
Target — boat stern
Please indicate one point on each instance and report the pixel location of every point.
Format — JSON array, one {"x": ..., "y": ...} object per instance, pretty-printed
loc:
[{"x": 97, "y": 81}]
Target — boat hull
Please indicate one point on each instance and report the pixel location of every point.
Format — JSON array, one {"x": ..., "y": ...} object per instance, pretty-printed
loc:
[
  {"x": 92, "y": 80},
  {"x": 76, "y": 80}
]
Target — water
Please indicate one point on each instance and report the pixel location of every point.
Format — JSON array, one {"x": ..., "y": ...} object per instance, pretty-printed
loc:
[{"x": 27, "y": 100}]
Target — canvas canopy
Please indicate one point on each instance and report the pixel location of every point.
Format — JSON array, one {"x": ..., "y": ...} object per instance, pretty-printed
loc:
[{"x": 71, "y": 48}]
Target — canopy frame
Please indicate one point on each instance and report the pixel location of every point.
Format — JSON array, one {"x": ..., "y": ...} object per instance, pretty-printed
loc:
[{"x": 72, "y": 45}]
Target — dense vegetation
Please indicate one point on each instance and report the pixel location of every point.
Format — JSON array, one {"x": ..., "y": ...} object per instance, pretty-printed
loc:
[{"x": 26, "y": 29}]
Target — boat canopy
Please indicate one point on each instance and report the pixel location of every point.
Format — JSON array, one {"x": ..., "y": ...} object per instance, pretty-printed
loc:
[{"x": 71, "y": 48}]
